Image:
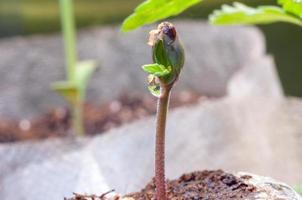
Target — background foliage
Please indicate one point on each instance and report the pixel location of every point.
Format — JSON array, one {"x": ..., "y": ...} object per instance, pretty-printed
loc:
[
  {"x": 238, "y": 13},
  {"x": 42, "y": 16}
]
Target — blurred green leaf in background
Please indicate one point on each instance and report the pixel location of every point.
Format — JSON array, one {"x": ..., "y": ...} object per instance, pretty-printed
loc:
[
  {"x": 291, "y": 12},
  {"x": 242, "y": 14}
]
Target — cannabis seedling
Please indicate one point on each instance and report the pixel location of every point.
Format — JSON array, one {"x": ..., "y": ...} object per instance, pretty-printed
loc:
[
  {"x": 168, "y": 58},
  {"x": 150, "y": 11},
  {"x": 78, "y": 73}
]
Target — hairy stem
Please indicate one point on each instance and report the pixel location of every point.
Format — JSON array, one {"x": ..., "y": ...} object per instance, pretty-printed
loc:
[{"x": 162, "y": 108}]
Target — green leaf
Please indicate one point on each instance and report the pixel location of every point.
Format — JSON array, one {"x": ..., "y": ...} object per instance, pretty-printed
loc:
[
  {"x": 68, "y": 90},
  {"x": 84, "y": 71},
  {"x": 151, "y": 11},
  {"x": 292, "y": 6},
  {"x": 159, "y": 54},
  {"x": 156, "y": 69},
  {"x": 241, "y": 14}
]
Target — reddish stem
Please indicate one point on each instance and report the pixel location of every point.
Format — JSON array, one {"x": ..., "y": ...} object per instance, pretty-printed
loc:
[{"x": 162, "y": 108}]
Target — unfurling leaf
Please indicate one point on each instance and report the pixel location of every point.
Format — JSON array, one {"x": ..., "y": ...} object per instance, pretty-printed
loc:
[
  {"x": 168, "y": 57},
  {"x": 292, "y": 6},
  {"x": 151, "y": 11},
  {"x": 167, "y": 50},
  {"x": 242, "y": 14},
  {"x": 156, "y": 69}
]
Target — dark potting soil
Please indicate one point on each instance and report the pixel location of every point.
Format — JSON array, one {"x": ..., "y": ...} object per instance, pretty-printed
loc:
[
  {"x": 201, "y": 185},
  {"x": 97, "y": 118}
]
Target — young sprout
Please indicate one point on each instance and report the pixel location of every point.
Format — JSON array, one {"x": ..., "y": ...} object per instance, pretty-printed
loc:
[
  {"x": 78, "y": 73},
  {"x": 168, "y": 58}
]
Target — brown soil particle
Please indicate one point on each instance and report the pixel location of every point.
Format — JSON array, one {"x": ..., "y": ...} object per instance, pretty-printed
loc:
[
  {"x": 97, "y": 118},
  {"x": 202, "y": 185}
]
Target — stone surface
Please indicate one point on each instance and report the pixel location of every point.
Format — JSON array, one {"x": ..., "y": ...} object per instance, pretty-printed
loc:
[
  {"x": 269, "y": 189},
  {"x": 28, "y": 65},
  {"x": 251, "y": 127}
]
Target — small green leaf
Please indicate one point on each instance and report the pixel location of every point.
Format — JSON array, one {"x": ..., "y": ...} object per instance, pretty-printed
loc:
[
  {"x": 151, "y": 11},
  {"x": 242, "y": 14},
  {"x": 68, "y": 90},
  {"x": 156, "y": 69},
  {"x": 84, "y": 71},
  {"x": 292, "y": 6}
]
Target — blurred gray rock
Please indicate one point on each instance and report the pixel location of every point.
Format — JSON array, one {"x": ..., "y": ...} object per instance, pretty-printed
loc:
[{"x": 29, "y": 64}]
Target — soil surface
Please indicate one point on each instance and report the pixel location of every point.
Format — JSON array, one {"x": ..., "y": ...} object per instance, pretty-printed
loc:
[
  {"x": 98, "y": 118},
  {"x": 201, "y": 185}
]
